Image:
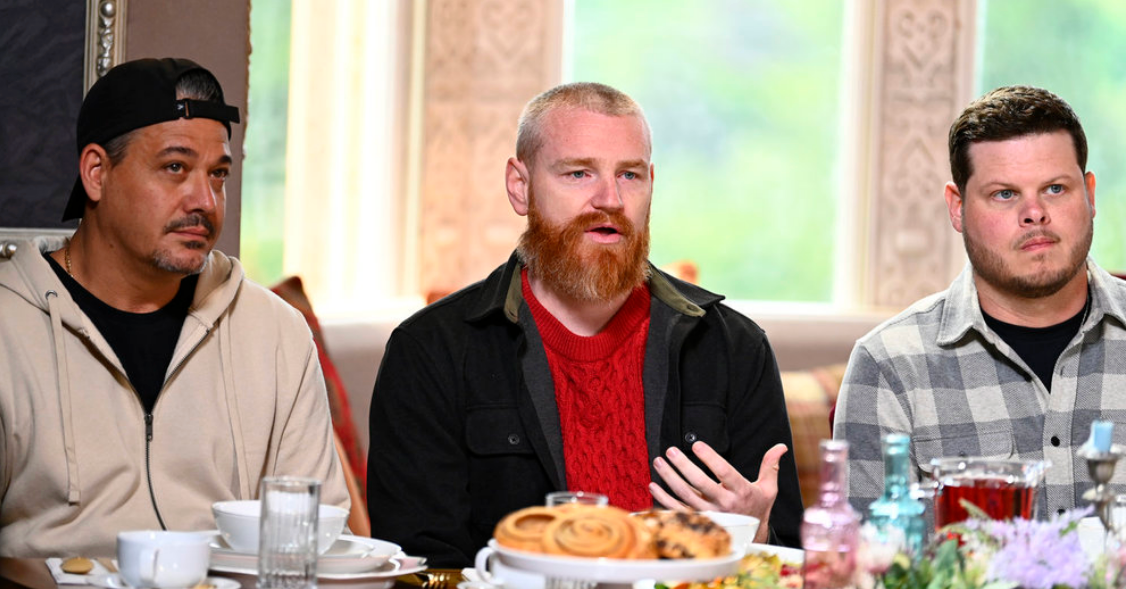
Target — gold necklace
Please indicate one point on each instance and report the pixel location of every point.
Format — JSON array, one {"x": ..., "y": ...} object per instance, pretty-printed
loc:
[{"x": 66, "y": 256}]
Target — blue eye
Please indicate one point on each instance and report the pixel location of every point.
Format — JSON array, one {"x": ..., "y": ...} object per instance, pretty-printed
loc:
[
  {"x": 577, "y": 174},
  {"x": 630, "y": 175},
  {"x": 1055, "y": 189},
  {"x": 1004, "y": 194}
]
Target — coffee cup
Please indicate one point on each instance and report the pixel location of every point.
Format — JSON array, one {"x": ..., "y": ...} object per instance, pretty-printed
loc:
[
  {"x": 492, "y": 571},
  {"x": 162, "y": 560}
]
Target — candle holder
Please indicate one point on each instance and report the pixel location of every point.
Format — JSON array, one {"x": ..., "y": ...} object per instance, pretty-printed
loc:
[{"x": 1100, "y": 466}]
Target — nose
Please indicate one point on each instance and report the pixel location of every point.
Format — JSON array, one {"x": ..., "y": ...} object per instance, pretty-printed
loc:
[
  {"x": 607, "y": 197},
  {"x": 1034, "y": 212},
  {"x": 202, "y": 195}
]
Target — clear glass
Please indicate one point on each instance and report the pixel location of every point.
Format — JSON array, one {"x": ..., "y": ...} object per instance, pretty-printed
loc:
[
  {"x": 743, "y": 98},
  {"x": 897, "y": 513},
  {"x": 830, "y": 529},
  {"x": 287, "y": 549},
  {"x": 1003, "y": 489},
  {"x": 580, "y": 497}
]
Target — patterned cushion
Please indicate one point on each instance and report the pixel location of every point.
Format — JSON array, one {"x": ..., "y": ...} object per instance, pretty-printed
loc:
[
  {"x": 810, "y": 396},
  {"x": 292, "y": 292}
]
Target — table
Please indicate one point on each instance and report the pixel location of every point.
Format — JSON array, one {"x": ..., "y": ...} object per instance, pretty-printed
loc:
[{"x": 32, "y": 573}]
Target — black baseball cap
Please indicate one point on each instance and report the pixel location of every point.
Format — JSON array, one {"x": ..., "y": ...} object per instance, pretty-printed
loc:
[{"x": 137, "y": 94}]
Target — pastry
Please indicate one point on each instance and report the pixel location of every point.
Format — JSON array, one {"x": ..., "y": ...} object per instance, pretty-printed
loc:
[
  {"x": 598, "y": 532},
  {"x": 523, "y": 529},
  {"x": 690, "y": 535}
]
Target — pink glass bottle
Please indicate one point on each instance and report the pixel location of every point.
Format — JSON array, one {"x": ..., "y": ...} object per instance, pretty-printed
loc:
[{"x": 830, "y": 529}]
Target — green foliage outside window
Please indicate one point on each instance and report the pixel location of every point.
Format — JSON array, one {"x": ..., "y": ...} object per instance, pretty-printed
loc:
[
  {"x": 743, "y": 99},
  {"x": 263, "y": 185}
]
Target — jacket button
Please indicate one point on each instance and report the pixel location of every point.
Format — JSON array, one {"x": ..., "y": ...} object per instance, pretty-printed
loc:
[
  {"x": 691, "y": 437},
  {"x": 513, "y": 439},
  {"x": 1056, "y": 441}
]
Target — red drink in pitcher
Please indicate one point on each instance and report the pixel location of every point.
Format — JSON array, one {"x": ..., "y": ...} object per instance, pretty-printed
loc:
[{"x": 1000, "y": 498}]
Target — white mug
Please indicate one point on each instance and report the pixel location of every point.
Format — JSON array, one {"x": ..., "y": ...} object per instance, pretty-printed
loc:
[
  {"x": 492, "y": 571},
  {"x": 163, "y": 559}
]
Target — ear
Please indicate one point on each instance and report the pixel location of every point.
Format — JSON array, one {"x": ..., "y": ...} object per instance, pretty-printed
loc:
[
  {"x": 517, "y": 180},
  {"x": 92, "y": 165},
  {"x": 652, "y": 173},
  {"x": 1089, "y": 180},
  {"x": 954, "y": 205}
]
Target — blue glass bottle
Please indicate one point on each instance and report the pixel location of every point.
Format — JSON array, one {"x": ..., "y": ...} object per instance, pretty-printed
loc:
[{"x": 896, "y": 511}]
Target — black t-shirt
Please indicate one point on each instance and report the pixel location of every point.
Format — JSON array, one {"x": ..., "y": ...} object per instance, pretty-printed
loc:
[
  {"x": 1039, "y": 347},
  {"x": 144, "y": 342}
]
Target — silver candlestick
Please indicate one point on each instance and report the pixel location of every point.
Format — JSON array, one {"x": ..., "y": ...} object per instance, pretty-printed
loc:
[{"x": 1100, "y": 465}]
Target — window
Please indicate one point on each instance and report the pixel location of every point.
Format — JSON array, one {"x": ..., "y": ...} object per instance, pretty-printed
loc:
[
  {"x": 1073, "y": 48},
  {"x": 743, "y": 98}
]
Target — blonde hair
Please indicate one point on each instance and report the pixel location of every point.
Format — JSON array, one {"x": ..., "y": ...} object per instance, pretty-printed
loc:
[{"x": 588, "y": 96}]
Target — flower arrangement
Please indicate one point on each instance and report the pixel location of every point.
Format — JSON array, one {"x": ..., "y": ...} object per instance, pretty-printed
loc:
[{"x": 1005, "y": 554}]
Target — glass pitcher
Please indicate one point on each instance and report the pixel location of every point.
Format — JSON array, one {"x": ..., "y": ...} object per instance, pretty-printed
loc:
[{"x": 1003, "y": 489}]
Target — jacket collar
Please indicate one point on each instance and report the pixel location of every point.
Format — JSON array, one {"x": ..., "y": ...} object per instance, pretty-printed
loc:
[
  {"x": 962, "y": 311},
  {"x": 502, "y": 293}
]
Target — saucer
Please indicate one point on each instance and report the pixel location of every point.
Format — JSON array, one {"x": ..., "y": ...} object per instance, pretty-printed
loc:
[
  {"x": 348, "y": 555},
  {"x": 114, "y": 581}
]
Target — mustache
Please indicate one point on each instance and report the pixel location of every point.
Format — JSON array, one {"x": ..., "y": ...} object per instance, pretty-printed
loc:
[
  {"x": 616, "y": 218},
  {"x": 192, "y": 220},
  {"x": 1034, "y": 234}
]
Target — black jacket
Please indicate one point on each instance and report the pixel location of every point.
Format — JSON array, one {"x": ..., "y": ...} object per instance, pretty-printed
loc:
[{"x": 464, "y": 426}]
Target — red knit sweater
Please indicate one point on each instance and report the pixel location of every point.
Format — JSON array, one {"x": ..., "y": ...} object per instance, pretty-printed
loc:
[{"x": 598, "y": 390}]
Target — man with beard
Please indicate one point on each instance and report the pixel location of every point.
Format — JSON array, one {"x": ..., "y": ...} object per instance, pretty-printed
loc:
[
  {"x": 142, "y": 377},
  {"x": 1024, "y": 350},
  {"x": 577, "y": 365}
]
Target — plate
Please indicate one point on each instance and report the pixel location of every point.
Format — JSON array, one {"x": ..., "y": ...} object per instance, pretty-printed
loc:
[
  {"x": 401, "y": 564},
  {"x": 114, "y": 581},
  {"x": 614, "y": 570},
  {"x": 348, "y": 555},
  {"x": 791, "y": 556}
]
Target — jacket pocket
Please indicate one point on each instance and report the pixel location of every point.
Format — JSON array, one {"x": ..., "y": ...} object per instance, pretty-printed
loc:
[
  {"x": 706, "y": 423},
  {"x": 992, "y": 444},
  {"x": 496, "y": 431}
]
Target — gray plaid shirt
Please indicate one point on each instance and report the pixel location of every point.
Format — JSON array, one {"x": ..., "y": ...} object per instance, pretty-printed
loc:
[{"x": 937, "y": 373}]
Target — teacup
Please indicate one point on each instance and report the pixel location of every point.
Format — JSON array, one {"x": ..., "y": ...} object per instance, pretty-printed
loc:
[
  {"x": 162, "y": 560},
  {"x": 492, "y": 571}
]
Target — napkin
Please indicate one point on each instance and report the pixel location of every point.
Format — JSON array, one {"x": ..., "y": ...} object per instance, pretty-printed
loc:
[{"x": 62, "y": 578}]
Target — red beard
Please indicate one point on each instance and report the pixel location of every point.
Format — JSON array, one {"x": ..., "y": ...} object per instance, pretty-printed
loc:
[{"x": 576, "y": 268}]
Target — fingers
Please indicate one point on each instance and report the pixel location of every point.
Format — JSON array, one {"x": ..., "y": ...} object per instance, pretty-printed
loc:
[
  {"x": 768, "y": 470},
  {"x": 667, "y": 501},
  {"x": 687, "y": 481}
]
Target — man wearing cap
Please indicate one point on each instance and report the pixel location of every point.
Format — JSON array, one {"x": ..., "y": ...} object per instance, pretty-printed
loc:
[{"x": 142, "y": 377}]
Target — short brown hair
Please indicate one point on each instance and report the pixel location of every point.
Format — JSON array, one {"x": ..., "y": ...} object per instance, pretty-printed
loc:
[
  {"x": 589, "y": 96},
  {"x": 1008, "y": 112}
]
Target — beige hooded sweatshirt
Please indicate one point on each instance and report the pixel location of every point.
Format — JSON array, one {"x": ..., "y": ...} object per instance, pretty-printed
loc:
[{"x": 243, "y": 398}]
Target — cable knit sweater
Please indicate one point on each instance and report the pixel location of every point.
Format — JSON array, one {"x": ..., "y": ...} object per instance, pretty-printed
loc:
[{"x": 601, "y": 400}]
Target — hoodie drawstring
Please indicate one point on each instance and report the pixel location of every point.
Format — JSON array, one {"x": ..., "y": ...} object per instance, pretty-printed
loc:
[
  {"x": 73, "y": 494},
  {"x": 228, "y": 371}
]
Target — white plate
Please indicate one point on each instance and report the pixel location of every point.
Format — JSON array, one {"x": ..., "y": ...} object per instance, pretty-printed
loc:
[
  {"x": 401, "y": 564},
  {"x": 115, "y": 581},
  {"x": 791, "y": 556},
  {"x": 348, "y": 555},
  {"x": 614, "y": 570}
]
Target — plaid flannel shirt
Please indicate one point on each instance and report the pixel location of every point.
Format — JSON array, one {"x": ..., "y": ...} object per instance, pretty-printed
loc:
[{"x": 937, "y": 373}]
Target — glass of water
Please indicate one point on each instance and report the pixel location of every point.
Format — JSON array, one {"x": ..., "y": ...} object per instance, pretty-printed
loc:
[
  {"x": 287, "y": 539},
  {"x": 579, "y": 497}
]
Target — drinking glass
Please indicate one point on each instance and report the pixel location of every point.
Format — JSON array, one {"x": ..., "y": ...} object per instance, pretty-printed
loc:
[
  {"x": 580, "y": 497},
  {"x": 287, "y": 539}
]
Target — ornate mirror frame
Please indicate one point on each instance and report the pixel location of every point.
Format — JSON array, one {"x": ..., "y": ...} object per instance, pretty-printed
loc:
[{"x": 104, "y": 48}]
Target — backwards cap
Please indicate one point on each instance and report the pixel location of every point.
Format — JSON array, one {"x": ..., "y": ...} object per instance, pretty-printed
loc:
[{"x": 137, "y": 94}]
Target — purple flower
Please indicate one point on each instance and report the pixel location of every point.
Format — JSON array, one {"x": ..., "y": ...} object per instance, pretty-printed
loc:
[{"x": 1037, "y": 554}]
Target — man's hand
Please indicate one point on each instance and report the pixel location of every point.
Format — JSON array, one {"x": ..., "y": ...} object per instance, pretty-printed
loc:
[{"x": 733, "y": 493}]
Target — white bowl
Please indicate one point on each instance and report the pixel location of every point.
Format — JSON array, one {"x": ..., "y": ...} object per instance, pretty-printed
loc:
[
  {"x": 741, "y": 527},
  {"x": 238, "y": 524}
]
